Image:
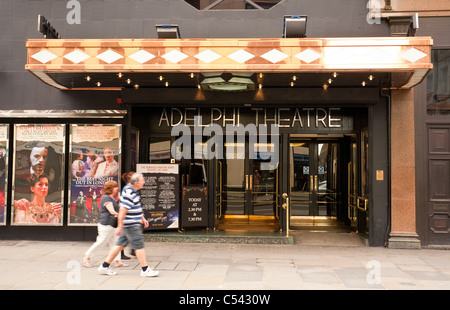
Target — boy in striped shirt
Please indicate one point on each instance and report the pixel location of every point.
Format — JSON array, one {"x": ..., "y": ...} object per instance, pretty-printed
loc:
[{"x": 130, "y": 219}]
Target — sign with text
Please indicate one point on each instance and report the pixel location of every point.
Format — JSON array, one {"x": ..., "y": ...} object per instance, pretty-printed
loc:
[
  {"x": 194, "y": 210},
  {"x": 160, "y": 195}
]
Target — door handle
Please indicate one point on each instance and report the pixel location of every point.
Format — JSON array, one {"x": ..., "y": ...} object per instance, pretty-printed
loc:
[
  {"x": 251, "y": 182},
  {"x": 311, "y": 183},
  {"x": 246, "y": 182},
  {"x": 316, "y": 187},
  {"x": 287, "y": 208}
]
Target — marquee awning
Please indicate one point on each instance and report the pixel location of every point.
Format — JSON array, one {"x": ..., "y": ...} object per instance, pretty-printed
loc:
[{"x": 67, "y": 63}]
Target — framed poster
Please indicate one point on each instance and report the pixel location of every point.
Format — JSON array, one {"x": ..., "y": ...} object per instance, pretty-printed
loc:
[
  {"x": 95, "y": 158},
  {"x": 4, "y": 134},
  {"x": 38, "y": 174},
  {"x": 160, "y": 195}
]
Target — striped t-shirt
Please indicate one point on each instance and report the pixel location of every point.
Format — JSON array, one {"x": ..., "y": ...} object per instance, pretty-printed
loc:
[{"x": 131, "y": 200}]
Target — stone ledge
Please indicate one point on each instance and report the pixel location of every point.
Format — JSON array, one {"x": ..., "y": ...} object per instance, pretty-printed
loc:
[
  {"x": 401, "y": 241},
  {"x": 211, "y": 237}
]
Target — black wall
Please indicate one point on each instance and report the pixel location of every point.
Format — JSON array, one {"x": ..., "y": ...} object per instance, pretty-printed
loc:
[{"x": 103, "y": 19}]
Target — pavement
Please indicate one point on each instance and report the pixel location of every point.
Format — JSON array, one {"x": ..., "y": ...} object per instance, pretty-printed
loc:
[{"x": 316, "y": 261}]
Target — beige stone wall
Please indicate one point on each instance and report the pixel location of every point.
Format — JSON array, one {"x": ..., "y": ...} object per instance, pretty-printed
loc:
[{"x": 407, "y": 7}]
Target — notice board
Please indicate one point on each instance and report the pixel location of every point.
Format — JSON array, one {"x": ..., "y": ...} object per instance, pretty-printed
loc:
[
  {"x": 194, "y": 206},
  {"x": 160, "y": 195}
]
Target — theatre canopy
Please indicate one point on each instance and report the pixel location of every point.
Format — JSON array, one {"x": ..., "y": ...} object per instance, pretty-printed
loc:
[{"x": 112, "y": 64}]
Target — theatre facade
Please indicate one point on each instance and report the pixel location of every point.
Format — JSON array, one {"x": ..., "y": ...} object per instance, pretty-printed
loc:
[{"x": 250, "y": 134}]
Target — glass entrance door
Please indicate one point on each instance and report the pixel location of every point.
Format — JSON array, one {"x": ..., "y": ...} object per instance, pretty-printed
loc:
[
  {"x": 247, "y": 185},
  {"x": 313, "y": 178}
]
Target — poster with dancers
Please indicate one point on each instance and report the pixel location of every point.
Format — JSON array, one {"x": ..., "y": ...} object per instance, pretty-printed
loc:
[
  {"x": 38, "y": 174},
  {"x": 95, "y": 152},
  {"x": 4, "y": 134}
]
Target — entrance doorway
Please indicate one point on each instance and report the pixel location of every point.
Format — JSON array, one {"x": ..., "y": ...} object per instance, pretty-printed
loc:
[
  {"x": 247, "y": 185},
  {"x": 314, "y": 178}
]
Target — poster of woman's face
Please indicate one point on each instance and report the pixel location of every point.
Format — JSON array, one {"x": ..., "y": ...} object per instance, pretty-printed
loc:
[
  {"x": 38, "y": 175},
  {"x": 4, "y": 131},
  {"x": 94, "y": 160}
]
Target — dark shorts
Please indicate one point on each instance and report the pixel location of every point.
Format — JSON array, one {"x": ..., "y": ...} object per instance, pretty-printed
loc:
[{"x": 132, "y": 235}]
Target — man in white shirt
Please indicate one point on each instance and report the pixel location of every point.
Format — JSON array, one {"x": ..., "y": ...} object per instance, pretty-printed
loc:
[{"x": 108, "y": 168}]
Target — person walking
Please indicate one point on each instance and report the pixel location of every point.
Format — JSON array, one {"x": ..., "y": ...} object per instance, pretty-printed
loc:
[
  {"x": 130, "y": 219},
  {"x": 108, "y": 210}
]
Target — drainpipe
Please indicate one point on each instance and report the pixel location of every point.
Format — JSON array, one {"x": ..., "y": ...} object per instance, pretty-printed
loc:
[{"x": 388, "y": 96}]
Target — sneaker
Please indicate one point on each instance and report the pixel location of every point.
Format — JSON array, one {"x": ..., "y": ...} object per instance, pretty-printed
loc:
[
  {"x": 106, "y": 270},
  {"x": 149, "y": 273}
]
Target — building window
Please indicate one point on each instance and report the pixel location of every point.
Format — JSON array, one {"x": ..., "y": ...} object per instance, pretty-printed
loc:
[
  {"x": 233, "y": 4},
  {"x": 438, "y": 84}
]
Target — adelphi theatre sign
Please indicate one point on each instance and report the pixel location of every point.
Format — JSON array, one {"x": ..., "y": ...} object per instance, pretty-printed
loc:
[
  {"x": 279, "y": 117},
  {"x": 229, "y": 127}
]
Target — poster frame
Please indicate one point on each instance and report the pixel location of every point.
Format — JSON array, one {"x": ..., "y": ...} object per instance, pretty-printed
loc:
[
  {"x": 158, "y": 170},
  {"x": 62, "y": 174},
  {"x": 69, "y": 166},
  {"x": 6, "y": 157}
]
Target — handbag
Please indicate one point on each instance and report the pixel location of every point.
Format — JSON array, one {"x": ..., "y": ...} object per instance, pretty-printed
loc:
[{"x": 113, "y": 221}]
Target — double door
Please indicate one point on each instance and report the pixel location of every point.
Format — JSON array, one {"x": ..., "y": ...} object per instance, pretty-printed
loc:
[
  {"x": 247, "y": 182},
  {"x": 313, "y": 177}
]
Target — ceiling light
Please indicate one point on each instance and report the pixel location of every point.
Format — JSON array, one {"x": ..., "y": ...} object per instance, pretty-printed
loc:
[
  {"x": 161, "y": 77},
  {"x": 260, "y": 86},
  {"x": 294, "y": 78},
  {"x": 363, "y": 83},
  {"x": 192, "y": 75},
  {"x": 334, "y": 74},
  {"x": 119, "y": 75},
  {"x": 325, "y": 86},
  {"x": 167, "y": 84},
  {"x": 88, "y": 78},
  {"x": 136, "y": 86},
  {"x": 260, "y": 75},
  {"x": 371, "y": 77},
  {"x": 227, "y": 81},
  {"x": 128, "y": 81},
  {"x": 329, "y": 81},
  {"x": 99, "y": 84},
  {"x": 292, "y": 84}
]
